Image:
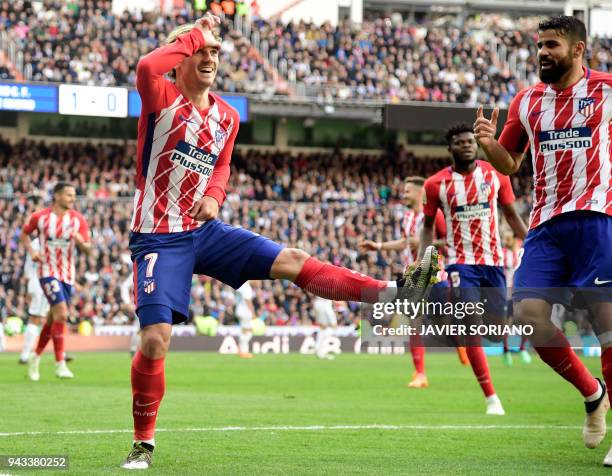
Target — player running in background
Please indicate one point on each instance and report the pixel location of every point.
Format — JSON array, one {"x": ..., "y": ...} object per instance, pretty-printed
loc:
[
  {"x": 245, "y": 312},
  {"x": 412, "y": 224},
  {"x": 566, "y": 119},
  {"x": 468, "y": 193},
  {"x": 511, "y": 260},
  {"x": 185, "y": 141},
  {"x": 38, "y": 307},
  {"x": 328, "y": 322},
  {"x": 59, "y": 228}
]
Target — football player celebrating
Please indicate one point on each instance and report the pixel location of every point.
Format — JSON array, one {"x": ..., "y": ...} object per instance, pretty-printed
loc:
[
  {"x": 185, "y": 140},
  {"x": 565, "y": 119},
  {"x": 468, "y": 193}
]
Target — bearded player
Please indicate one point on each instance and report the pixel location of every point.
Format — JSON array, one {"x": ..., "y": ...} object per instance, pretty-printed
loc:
[
  {"x": 60, "y": 229},
  {"x": 412, "y": 224},
  {"x": 468, "y": 193},
  {"x": 566, "y": 120},
  {"x": 185, "y": 140}
]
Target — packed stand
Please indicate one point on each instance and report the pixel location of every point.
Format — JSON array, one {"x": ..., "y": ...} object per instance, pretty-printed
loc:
[
  {"x": 487, "y": 59},
  {"x": 324, "y": 203},
  {"x": 434, "y": 60},
  {"x": 82, "y": 41}
]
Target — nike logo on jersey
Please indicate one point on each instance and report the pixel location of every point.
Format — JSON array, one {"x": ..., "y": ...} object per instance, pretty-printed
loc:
[
  {"x": 599, "y": 282},
  {"x": 186, "y": 119},
  {"x": 138, "y": 404},
  {"x": 537, "y": 113}
]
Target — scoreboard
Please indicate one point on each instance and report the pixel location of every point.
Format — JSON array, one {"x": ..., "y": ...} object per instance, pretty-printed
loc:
[
  {"x": 79, "y": 100},
  {"x": 82, "y": 100}
]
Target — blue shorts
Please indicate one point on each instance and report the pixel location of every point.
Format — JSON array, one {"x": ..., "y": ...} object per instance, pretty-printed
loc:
[
  {"x": 479, "y": 283},
  {"x": 56, "y": 291},
  {"x": 572, "y": 250},
  {"x": 164, "y": 264}
]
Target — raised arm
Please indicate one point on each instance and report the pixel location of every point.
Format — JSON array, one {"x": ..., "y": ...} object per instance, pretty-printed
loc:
[
  {"x": 152, "y": 67},
  {"x": 505, "y": 161}
]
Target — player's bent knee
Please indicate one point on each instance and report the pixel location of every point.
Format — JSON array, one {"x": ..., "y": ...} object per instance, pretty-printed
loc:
[
  {"x": 296, "y": 256},
  {"x": 533, "y": 312},
  {"x": 155, "y": 340},
  {"x": 60, "y": 314},
  {"x": 288, "y": 263}
]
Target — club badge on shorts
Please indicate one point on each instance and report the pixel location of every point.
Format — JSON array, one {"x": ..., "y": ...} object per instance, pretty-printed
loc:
[{"x": 149, "y": 286}]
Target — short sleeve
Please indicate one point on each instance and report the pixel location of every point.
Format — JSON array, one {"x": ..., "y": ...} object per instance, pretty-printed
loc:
[
  {"x": 514, "y": 138},
  {"x": 440, "y": 225},
  {"x": 506, "y": 194},
  {"x": 431, "y": 198},
  {"x": 31, "y": 224},
  {"x": 84, "y": 228}
]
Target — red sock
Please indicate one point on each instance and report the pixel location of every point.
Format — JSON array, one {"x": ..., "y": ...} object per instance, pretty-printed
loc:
[
  {"x": 558, "y": 354},
  {"x": 418, "y": 353},
  {"x": 338, "y": 284},
  {"x": 480, "y": 367},
  {"x": 506, "y": 348},
  {"x": 523, "y": 343},
  {"x": 606, "y": 368},
  {"x": 57, "y": 334},
  {"x": 43, "y": 338},
  {"x": 148, "y": 386}
]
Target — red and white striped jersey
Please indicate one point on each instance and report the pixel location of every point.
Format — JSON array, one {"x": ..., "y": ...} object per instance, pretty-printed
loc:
[
  {"x": 183, "y": 152},
  {"x": 469, "y": 205},
  {"x": 57, "y": 246},
  {"x": 412, "y": 224},
  {"x": 569, "y": 134}
]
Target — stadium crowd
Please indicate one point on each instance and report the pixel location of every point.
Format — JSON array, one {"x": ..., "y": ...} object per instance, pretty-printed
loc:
[
  {"x": 390, "y": 59},
  {"x": 324, "y": 203}
]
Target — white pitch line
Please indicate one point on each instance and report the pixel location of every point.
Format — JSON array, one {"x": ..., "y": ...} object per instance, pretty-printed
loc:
[{"x": 304, "y": 428}]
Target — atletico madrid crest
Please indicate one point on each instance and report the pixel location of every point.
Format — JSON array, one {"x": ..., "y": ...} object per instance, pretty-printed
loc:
[
  {"x": 586, "y": 106},
  {"x": 149, "y": 286},
  {"x": 485, "y": 188},
  {"x": 220, "y": 137}
]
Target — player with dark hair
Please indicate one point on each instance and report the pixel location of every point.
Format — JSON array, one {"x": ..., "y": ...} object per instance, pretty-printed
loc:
[
  {"x": 185, "y": 140},
  {"x": 412, "y": 224},
  {"x": 59, "y": 228},
  {"x": 468, "y": 193},
  {"x": 565, "y": 119}
]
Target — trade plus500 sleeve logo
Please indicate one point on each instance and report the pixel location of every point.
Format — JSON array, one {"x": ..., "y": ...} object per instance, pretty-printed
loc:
[{"x": 575, "y": 138}]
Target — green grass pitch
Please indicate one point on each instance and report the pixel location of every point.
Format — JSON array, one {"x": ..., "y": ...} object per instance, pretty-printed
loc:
[{"x": 275, "y": 401}]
